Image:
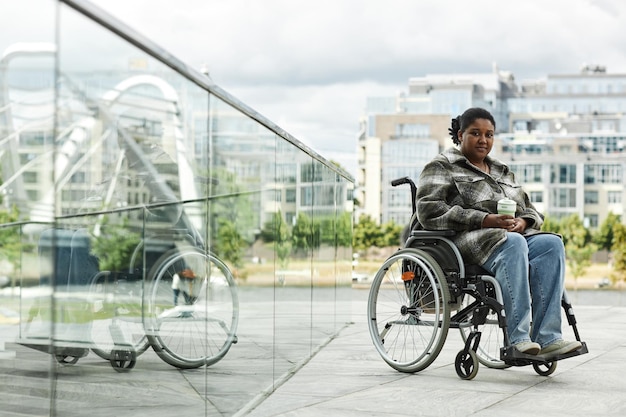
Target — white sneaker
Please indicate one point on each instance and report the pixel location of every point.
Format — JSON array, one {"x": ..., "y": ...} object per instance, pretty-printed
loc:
[
  {"x": 528, "y": 347},
  {"x": 560, "y": 347}
]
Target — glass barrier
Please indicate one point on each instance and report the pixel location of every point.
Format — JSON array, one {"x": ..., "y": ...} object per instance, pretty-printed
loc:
[{"x": 163, "y": 244}]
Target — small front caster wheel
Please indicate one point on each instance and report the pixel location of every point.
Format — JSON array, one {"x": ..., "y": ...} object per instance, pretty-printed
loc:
[
  {"x": 466, "y": 364},
  {"x": 123, "y": 360},
  {"x": 67, "y": 360},
  {"x": 544, "y": 368}
]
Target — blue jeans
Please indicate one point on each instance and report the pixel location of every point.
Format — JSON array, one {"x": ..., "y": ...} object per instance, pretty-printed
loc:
[{"x": 531, "y": 272}]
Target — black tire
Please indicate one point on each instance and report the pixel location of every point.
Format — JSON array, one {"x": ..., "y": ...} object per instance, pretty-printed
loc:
[
  {"x": 545, "y": 369},
  {"x": 123, "y": 360},
  {"x": 466, "y": 364},
  {"x": 408, "y": 310}
]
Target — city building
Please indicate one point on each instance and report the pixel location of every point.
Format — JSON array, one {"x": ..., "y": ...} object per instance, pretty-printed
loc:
[
  {"x": 400, "y": 134},
  {"x": 563, "y": 136}
]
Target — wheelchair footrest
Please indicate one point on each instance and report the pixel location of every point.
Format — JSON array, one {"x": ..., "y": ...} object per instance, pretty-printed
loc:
[{"x": 514, "y": 357}]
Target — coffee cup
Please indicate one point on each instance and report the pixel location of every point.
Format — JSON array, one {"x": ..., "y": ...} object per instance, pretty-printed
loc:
[{"x": 507, "y": 206}]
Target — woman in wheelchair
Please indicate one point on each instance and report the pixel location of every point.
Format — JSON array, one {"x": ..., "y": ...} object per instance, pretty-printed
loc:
[{"x": 459, "y": 190}]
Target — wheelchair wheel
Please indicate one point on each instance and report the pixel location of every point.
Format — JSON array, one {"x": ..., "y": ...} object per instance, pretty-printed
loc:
[
  {"x": 466, "y": 364},
  {"x": 408, "y": 310},
  {"x": 544, "y": 369},
  {"x": 117, "y": 316},
  {"x": 123, "y": 360},
  {"x": 200, "y": 329},
  {"x": 66, "y": 359},
  {"x": 491, "y": 336}
]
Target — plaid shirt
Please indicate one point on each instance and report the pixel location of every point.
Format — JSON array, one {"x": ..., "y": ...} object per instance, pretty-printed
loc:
[{"x": 453, "y": 194}]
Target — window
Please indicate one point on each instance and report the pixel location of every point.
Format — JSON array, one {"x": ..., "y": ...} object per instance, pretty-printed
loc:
[
  {"x": 286, "y": 173},
  {"x": 527, "y": 173},
  {"x": 78, "y": 178},
  {"x": 563, "y": 174},
  {"x": 564, "y": 197},
  {"x": 591, "y": 197},
  {"x": 603, "y": 174},
  {"x": 412, "y": 130},
  {"x": 322, "y": 195},
  {"x": 398, "y": 198},
  {"x": 30, "y": 177},
  {"x": 275, "y": 195},
  {"x": 614, "y": 197},
  {"x": 592, "y": 219},
  {"x": 290, "y": 195},
  {"x": 536, "y": 196},
  {"x": 310, "y": 173},
  {"x": 565, "y": 149},
  {"x": 306, "y": 196}
]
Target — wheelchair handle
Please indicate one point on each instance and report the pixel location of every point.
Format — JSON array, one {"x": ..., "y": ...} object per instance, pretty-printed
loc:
[{"x": 407, "y": 180}]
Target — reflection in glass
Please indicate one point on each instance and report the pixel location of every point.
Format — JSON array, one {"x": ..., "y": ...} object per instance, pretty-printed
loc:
[{"x": 149, "y": 224}]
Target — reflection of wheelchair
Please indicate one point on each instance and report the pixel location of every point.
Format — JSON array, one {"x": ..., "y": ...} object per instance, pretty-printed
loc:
[
  {"x": 120, "y": 314},
  {"x": 195, "y": 331},
  {"x": 424, "y": 289}
]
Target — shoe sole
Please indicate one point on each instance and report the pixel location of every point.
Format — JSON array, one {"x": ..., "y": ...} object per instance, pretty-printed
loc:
[{"x": 561, "y": 351}]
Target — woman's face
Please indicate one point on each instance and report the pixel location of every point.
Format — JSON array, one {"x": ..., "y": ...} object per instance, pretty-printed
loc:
[{"x": 477, "y": 140}]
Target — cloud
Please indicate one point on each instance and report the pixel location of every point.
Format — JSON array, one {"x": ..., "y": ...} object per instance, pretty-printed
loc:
[
  {"x": 308, "y": 66},
  {"x": 295, "y": 42}
]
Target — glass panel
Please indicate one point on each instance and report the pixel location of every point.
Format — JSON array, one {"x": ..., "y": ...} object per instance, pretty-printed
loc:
[
  {"x": 293, "y": 263},
  {"x": 243, "y": 165},
  {"x": 161, "y": 229},
  {"x": 26, "y": 135},
  {"x": 323, "y": 214}
]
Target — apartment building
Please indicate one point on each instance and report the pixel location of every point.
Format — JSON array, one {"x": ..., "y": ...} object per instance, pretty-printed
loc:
[
  {"x": 400, "y": 134},
  {"x": 563, "y": 136}
]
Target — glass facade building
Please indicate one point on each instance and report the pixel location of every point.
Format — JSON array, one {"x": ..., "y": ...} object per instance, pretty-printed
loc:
[{"x": 164, "y": 246}]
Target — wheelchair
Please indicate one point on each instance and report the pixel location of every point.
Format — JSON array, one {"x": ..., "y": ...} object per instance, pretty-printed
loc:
[{"x": 424, "y": 289}]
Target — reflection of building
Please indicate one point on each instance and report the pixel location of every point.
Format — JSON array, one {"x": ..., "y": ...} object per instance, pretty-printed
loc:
[
  {"x": 564, "y": 137},
  {"x": 136, "y": 144},
  {"x": 274, "y": 174}
]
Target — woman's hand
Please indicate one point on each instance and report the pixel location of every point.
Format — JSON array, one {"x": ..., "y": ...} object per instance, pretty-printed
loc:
[{"x": 504, "y": 221}]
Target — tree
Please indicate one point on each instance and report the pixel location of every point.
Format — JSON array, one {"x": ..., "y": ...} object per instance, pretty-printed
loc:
[
  {"x": 10, "y": 240},
  {"x": 366, "y": 233},
  {"x": 619, "y": 254},
  {"x": 115, "y": 246},
  {"x": 578, "y": 246},
  {"x": 229, "y": 243},
  {"x": 604, "y": 237},
  {"x": 390, "y": 234},
  {"x": 306, "y": 233},
  {"x": 344, "y": 229},
  {"x": 234, "y": 205},
  {"x": 276, "y": 231},
  {"x": 283, "y": 241},
  {"x": 550, "y": 225}
]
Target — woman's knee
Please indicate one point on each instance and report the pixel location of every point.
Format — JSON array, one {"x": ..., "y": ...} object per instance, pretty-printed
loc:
[
  {"x": 517, "y": 242},
  {"x": 550, "y": 242}
]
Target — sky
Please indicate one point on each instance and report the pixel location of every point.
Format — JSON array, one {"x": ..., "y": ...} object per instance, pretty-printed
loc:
[{"x": 309, "y": 66}]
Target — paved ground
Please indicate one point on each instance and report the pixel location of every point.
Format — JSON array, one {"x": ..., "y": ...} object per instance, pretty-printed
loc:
[{"x": 348, "y": 378}]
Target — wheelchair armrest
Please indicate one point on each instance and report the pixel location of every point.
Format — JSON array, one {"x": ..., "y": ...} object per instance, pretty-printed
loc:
[{"x": 432, "y": 233}]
